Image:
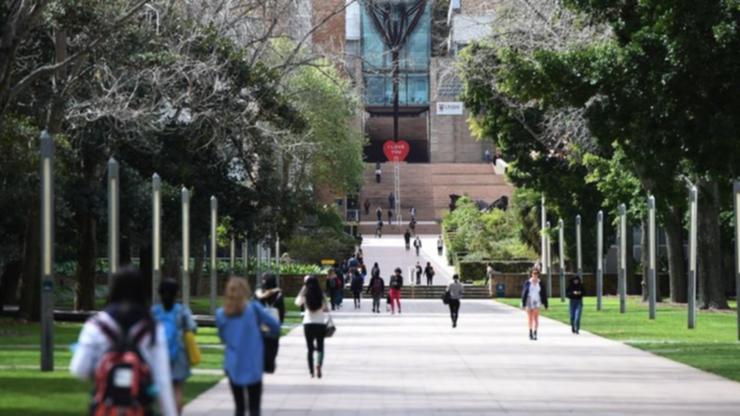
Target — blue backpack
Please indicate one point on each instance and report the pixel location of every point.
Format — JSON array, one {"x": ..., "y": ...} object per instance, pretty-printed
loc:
[{"x": 169, "y": 320}]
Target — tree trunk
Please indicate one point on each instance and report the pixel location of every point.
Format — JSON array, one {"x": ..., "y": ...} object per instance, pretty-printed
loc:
[
  {"x": 30, "y": 304},
  {"x": 711, "y": 293},
  {"x": 86, "y": 259},
  {"x": 676, "y": 256},
  {"x": 644, "y": 259}
]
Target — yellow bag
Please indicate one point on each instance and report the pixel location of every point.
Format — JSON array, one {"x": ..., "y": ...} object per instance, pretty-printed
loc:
[{"x": 191, "y": 347}]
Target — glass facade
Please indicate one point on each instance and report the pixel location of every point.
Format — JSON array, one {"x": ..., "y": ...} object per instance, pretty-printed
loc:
[{"x": 413, "y": 62}]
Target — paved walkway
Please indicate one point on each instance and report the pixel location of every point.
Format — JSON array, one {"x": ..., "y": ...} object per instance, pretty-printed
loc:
[
  {"x": 416, "y": 364},
  {"x": 390, "y": 253}
]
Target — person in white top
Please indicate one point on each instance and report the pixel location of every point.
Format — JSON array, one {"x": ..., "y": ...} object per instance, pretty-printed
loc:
[
  {"x": 127, "y": 317},
  {"x": 534, "y": 296},
  {"x": 314, "y": 321},
  {"x": 455, "y": 292}
]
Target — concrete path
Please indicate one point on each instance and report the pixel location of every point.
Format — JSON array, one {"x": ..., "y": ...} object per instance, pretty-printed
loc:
[
  {"x": 416, "y": 364},
  {"x": 389, "y": 253}
]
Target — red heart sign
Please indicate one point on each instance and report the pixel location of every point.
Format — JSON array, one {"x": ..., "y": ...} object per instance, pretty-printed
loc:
[{"x": 396, "y": 151}]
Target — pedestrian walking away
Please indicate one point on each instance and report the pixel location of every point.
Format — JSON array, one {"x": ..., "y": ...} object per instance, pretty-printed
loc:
[
  {"x": 407, "y": 239},
  {"x": 487, "y": 156},
  {"x": 379, "y": 214},
  {"x": 379, "y": 229},
  {"x": 574, "y": 292},
  {"x": 333, "y": 286},
  {"x": 375, "y": 271},
  {"x": 356, "y": 282},
  {"x": 440, "y": 245},
  {"x": 390, "y": 217},
  {"x": 534, "y": 296},
  {"x": 418, "y": 271},
  {"x": 391, "y": 200},
  {"x": 412, "y": 225},
  {"x": 378, "y": 172},
  {"x": 429, "y": 273},
  {"x": 314, "y": 323},
  {"x": 124, "y": 341},
  {"x": 375, "y": 288},
  {"x": 366, "y": 205},
  {"x": 412, "y": 212},
  {"x": 240, "y": 324},
  {"x": 489, "y": 278},
  {"x": 455, "y": 291},
  {"x": 396, "y": 284},
  {"x": 417, "y": 245},
  {"x": 271, "y": 297},
  {"x": 176, "y": 319}
]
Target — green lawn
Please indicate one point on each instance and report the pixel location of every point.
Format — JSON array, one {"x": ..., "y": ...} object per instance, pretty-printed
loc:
[{"x": 711, "y": 346}]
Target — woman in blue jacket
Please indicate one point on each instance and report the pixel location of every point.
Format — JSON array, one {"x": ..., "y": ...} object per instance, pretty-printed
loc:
[
  {"x": 239, "y": 324},
  {"x": 534, "y": 296}
]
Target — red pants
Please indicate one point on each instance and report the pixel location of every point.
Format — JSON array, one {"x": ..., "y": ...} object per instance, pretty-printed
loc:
[{"x": 395, "y": 295}]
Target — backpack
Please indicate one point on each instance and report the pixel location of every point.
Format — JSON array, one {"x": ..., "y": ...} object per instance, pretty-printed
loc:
[
  {"x": 338, "y": 283},
  {"x": 377, "y": 285},
  {"x": 123, "y": 380},
  {"x": 171, "y": 321}
]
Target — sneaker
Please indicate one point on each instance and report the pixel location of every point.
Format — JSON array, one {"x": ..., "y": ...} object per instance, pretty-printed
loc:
[{"x": 535, "y": 336}]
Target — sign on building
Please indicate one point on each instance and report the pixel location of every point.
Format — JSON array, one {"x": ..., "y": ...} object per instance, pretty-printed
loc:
[{"x": 450, "y": 108}]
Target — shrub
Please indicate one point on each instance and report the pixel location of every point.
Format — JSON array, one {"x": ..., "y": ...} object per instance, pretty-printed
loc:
[{"x": 320, "y": 243}]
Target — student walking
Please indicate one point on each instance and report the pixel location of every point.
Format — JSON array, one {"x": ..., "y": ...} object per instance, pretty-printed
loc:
[
  {"x": 126, "y": 320},
  {"x": 412, "y": 225},
  {"x": 534, "y": 296},
  {"x": 391, "y": 201},
  {"x": 366, "y": 205},
  {"x": 455, "y": 291},
  {"x": 407, "y": 239},
  {"x": 379, "y": 229},
  {"x": 375, "y": 288},
  {"x": 440, "y": 245},
  {"x": 378, "y": 172},
  {"x": 375, "y": 270},
  {"x": 412, "y": 212},
  {"x": 390, "y": 217},
  {"x": 418, "y": 271},
  {"x": 429, "y": 273},
  {"x": 417, "y": 245},
  {"x": 356, "y": 282},
  {"x": 176, "y": 319},
  {"x": 396, "y": 284},
  {"x": 271, "y": 297},
  {"x": 574, "y": 291},
  {"x": 379, "y": 214},
  {"x": 334, "y": 287},
  {"x": 314, "y": 322},
  {"x": 240, "y": 324}
]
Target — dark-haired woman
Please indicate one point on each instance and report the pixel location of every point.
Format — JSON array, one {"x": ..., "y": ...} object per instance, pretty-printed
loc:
[
  {"x": 127, "y": 313},
  {"x": 534, "y": 296},
  {"x": 314, "y": 322},
  {"x": 394, "y": 294},
  {"x": 176, "y": 318}
]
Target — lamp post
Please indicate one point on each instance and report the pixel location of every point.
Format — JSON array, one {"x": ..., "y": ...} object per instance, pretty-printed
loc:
[
  {"x": 693, "y": 204},
  {"x": 214, "y": 218},
  {"x": 561, "y": 257},
  {"x": 622, "y": 258},
  {"x": 47, "y": 251},
  {"x": 232, "y": 255},
  {"x": 579, "y": 252},
  {"x": 548, "y": 259},
  {"x": 277, "y": 259},
  {"x": 185, "y": 195},
  {"x": 543, "y": 238},
  {"x": 599, "y": 258},
  {"x": 652, "y": 248},
  {"x": 736, "y": 192},
  {"x": 156, "y": 234},
  {"x": 113, "y": 186},
  {"x": 245, "y": 256}
]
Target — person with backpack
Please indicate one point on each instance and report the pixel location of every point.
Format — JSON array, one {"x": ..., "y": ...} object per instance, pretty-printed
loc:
[
  {"x": 271, "y": 297},
  {"x": 240, "y": 324},
  {"x": 176, "y": 319},
  {"x": 334, "y": 287},
  {"x": 429, "y": 273},
  {"x": 454, "y": 293},
  {"x": 391, "y": 201},
  {"x": 390, "y": 217},
  {"x": 379, "y": 229},
  {"x": 574, "y": 292},
  {"x": 417, "y": 245},
  {"x": 356, "y": 282},
  {"x": 125, "y": 341},
  {"x": 375, "y": 288},
  {"x": 534, "y": 296},
  {"x": 407, "y": 239},
  {"x": 412, "y": 225},
  {"x": 375, "y": 270},
  {"x": 418, "y": 271},
  {"x": 396, "y": 284},
  {"x": 314, "y": 322}
]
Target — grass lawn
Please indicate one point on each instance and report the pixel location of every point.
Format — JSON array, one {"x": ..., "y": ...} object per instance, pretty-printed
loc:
[
  {"x": 711, "y": 346},
  {"x": 25, "y": 390}
]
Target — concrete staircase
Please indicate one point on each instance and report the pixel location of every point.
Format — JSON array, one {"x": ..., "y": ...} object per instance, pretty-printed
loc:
[
  {"x": 427, "y": 187},
  {"x": 431, "y": 292}
]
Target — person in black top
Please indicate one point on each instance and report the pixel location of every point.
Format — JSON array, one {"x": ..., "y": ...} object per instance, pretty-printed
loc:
[
  {"x": 574, "y": 291},
  {"x": 418, "y": 271},
  {"x": 375, "y": 287},
  {"x": 429, "y": 273},
  {"x": 407, "y": 239},
  {"x": 271, "y": 297}
]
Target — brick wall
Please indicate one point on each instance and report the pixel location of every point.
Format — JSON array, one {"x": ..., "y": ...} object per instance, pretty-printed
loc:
[{"x": 329, "y": 37}]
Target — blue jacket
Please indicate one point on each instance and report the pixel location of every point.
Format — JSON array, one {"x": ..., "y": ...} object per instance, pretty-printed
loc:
[
  {"x": 241, "y": 335},
  {"x": 543, "y": 293}
]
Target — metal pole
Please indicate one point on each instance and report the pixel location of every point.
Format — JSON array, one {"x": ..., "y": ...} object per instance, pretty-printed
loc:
[
  {"x": 548, "y": 259},
  {"x": 245, "y": 257},
  {"x": 652, "y": 247},
  {"x": 47, "y": 251},
  {"x": 156, "y": 235},
  {"x": 113, "y": 186},
  {"x": 277, "y": 259},
  {"x": 232, "y": 254},
  {"x": 185, "y": 246},
  {"x": 622, "y": 258},
  {"x": 214, "y": 218},
  {"x": 599, "y": 258},
  {"x": 579, "y": 251},
  {"x": 693, "y": 202},
  {"x": 737, "y": 252},
  {"x": 543, "y": 219},
  {"x": 561, "y": 258}
]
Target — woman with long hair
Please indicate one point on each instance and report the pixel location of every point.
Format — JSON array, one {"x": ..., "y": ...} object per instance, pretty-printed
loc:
[
  {"x": 314, "y": 322},
  {"x": 534, "y": 296},
  {"x": 239, "y": 325}
]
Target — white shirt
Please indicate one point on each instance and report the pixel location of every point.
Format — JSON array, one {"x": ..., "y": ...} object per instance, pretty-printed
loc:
[
  {"x": 311, "y": 317},
  {"x": 93, "y": 343},
  {"x": 534, "y": 294}
]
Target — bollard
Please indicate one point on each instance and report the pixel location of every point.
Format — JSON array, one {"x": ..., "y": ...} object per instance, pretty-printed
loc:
[
  {"x": 185, "y": 195},
  {"x": 561, "y": 255},
  {"x": 548, "y": 259},
  {"x": 622, "y": 258},
  {"x": 652, "y": 248},
  {"x": 736, "y": 191},
  {"x": 693, "y": 204},
  {"x": 156, "y": 235},
  {"x": 113, "y": 185},
  {"x": 214, "y": 217},
  {"x": 599, "y": 258},
  {"x": 47, "y": 251}
]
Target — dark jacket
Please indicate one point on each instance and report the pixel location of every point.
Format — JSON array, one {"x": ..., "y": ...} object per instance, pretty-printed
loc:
[
  {"x": 543, "y": 293},
  {"x": 273, "y": 298},
  {"x": 356, "y": 281},
  {"x": 396, "y": 282},
  {"x": 574, "y": 290},
  {"x": 372, "y": 290}
]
